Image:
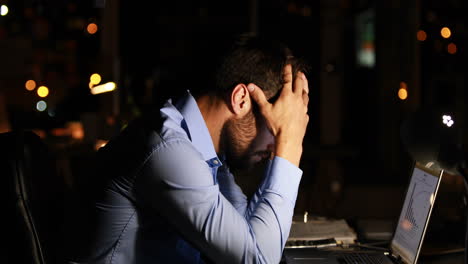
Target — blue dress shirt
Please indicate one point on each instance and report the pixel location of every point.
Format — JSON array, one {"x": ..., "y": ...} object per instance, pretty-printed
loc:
[{"x": 171, "y": 199}]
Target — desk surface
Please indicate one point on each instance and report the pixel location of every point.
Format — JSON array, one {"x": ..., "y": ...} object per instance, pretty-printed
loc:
[
  {"x": 449, "y": 258},
  {"x": 442, "y": 243},
  {"x": 358, "y": 203},
  {"x": 454, "y": 258}
]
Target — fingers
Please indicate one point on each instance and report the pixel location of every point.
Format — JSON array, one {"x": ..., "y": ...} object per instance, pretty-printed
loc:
[
  {"x": 301, "y": 84},
  {"x": 257, "y": 94},
  {"x": 300, "y": 87},
  {"x": 306, "y": 84},
  {"x": 288, "y": 77},
  {"x": 305, "y": 99}
]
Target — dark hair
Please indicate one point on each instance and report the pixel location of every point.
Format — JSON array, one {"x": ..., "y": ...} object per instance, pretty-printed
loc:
[{"x": 252, "y": 59}]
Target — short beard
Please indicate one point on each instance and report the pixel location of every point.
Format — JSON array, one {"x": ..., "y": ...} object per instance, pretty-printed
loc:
[{"x": 237, "y": 137}]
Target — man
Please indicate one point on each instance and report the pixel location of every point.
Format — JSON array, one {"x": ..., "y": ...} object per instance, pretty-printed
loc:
[{"x": 171, "y": 197}]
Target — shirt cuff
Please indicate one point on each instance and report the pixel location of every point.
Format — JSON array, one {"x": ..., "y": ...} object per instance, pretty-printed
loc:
[{"x": 283, "y": 178}]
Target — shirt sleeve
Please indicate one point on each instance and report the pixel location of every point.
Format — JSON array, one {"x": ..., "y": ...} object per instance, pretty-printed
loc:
[
  {"x": 231, "y": 191},
  {"x": 178, "y": 184}
]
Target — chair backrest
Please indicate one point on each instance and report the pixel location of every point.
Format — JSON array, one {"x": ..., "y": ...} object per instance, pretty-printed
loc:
[{"x": 33, "y": 202}]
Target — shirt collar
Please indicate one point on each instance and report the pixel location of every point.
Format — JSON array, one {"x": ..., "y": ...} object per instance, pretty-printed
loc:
[{"x": 197, "y": 130}]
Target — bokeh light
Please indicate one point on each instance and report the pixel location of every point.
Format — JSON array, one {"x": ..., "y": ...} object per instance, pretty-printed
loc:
[
  {"x": 403, "y": 91},
  {"x": 445, "y": 32},
  {"x": 3, "y": 10},
  {"x": 421, "y": 35},
  {"x": 452, "y": 48},
  {"x": 447, "y": 120},
  {"x": 103, "y": 88},
  {"x": 402, "y": 94},
  {"x": 95, "y": 78},
  {"x": 92, "y": 28},
  {"x": 42, "y": 91},
  {"x": 403, "y": 85},
  {"x": 41, "y": 106},
  {"x": 30, "y": 85}
]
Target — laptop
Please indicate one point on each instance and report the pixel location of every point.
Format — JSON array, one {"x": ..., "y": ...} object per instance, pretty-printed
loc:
[{"x": 408, "y": 236}]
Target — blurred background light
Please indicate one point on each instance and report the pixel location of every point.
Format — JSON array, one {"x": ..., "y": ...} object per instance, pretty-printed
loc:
[
  {"x": 30, "y": 85},
  {"x": 452, "y": 48},
  {"x": 403, "y": 85},
  {"x": 3, "y": 10},
  {"x": 41, "y": 106},
  {"x": 447, "y": 120},
  {"x": 421, "y": 35},
  {"x": 103, "y": 88},
  {"x": 445, "y": 32},
  {"x": 75, "y": 129},
  {"x": 402, "y": 94},
  {"x": 51, "y": 112},
  {"x": 100, "y": 143},
  {"x": 92, "y": 28},
  {"x": 42, "y": 91},
  {"x": 95, "y": 79}
]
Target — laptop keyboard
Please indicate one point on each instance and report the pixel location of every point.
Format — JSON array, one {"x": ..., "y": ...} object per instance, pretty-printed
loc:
[{"x": 355, "y": 258}]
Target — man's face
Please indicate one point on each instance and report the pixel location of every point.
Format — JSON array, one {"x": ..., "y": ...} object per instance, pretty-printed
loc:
[{"x": 248, "y": 142}]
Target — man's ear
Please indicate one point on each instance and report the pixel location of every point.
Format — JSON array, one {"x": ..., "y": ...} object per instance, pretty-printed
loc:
[{"x": 240, "y": 100}]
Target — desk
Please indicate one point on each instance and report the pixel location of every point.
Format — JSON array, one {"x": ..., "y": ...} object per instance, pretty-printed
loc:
[
  {"x": 440, "y": 245},
  {"x": 361, "y": 203},
  {"x": 452, "y": 258}
]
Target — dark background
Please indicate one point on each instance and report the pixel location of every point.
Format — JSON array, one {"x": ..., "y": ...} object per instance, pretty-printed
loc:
[{"x": 352, "y": 151}]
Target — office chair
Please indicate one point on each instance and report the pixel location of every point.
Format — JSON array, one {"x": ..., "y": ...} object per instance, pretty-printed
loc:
[{"x": 33, "y": 201}]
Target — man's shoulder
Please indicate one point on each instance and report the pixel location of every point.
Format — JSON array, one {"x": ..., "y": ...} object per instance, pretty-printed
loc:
[{"x": 153, "y": 128}]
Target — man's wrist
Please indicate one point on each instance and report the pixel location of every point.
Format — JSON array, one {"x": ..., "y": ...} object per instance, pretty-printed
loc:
[{"x": 289, "y": 150}]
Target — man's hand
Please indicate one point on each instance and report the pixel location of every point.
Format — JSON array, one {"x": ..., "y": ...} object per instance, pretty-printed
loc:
[{"x": 286, "y": 118}]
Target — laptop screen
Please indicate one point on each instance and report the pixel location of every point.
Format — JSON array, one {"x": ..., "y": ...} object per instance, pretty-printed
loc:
[{"x": 415, "y": 213}]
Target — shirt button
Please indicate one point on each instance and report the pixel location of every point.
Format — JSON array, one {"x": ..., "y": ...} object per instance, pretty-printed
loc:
[{"x": 215, "y": 162}]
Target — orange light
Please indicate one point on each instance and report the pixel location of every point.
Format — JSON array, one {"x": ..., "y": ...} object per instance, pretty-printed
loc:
[
  {"x": 77, "y": 133},
  {"x": 452, "y": 48},
  {"x": 403, "y": 85},
  {"x": 92, "y": 28},
  {"x": 59, "y": 132},
  {"x": 99, "y": 144},
  {"x": 75, "y": 129},
  {"x": 407, "y": 225},
  {"x": 421, "y": 35},
  {"x": 445, "y": 32},
  {"x": 402, "y": 94},
  {"x": 30, "y": 85},
  {"x": 42, "y": 91}
]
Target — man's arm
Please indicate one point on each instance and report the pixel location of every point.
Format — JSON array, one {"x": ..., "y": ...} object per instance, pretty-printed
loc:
[
  {"x": 234, "y": 194},
  {"x": 232, "y": 191},
  {"x": 177, "y": 183}
]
